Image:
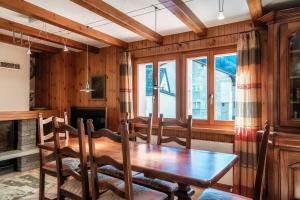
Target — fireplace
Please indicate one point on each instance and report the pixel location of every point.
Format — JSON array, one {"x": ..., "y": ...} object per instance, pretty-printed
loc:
[
  {"x": 98, "y": 115},
  {"x": 8, "y": 143},
  {"x": 18, "y": 150},
  {"x": 8, "y": 135}
]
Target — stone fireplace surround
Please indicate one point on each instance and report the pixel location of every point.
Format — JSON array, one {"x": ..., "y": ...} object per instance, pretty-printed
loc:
[{"x": 26, "y": 151}]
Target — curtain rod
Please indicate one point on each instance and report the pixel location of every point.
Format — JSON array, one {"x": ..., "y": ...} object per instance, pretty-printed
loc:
[{"x": 179, "y": 43}]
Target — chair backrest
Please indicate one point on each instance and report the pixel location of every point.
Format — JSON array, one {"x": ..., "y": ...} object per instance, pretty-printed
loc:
[
  {"x": 96, "y": 161},
  {"x": 63, "y": 151},
  {"x": 48, "y": 136},
  {"x": 148, "y": 121},
  {"x": 174, "y": 122},
  {"x": 262, "y": 159}
]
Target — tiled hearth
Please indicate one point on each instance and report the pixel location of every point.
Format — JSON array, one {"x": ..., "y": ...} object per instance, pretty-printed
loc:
[{"x": 25, "y": 151}]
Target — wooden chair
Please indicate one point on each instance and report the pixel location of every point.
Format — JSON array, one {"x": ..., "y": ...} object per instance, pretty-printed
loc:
[
  {"x": 162, "y": 185},
  {"x": 148, "y": 121},
  {"x": 71, "y": 183},
  {"x": 174, "y": 122},
  {"x": 209, "y": 194},
  {"x": 126, "y": 190},
  {"x": 110, "y": 170},
  {"x": 47, "y": 165}
]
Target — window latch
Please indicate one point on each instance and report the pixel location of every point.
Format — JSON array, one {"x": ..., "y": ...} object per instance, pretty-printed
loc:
[
  {"x": 153, "y": 99},
  {"x": 211, "y": 98}
]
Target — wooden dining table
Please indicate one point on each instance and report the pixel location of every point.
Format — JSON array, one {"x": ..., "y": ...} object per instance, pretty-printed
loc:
[{"x": 184, "y": 166}]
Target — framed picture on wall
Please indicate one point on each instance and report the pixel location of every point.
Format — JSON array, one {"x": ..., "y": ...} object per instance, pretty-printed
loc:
[{"x": 98, "y": 84}]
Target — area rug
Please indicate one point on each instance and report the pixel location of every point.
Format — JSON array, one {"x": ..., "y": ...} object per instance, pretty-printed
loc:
[{"x": 25, "y": 186}]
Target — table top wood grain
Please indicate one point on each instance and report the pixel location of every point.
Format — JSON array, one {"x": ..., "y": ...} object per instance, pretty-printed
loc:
[{"x": 189, "y": 166}]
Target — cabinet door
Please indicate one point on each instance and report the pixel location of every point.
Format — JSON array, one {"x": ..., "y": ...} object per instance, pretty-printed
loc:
[
  {"x": 290, "y": 174},
  {"x": 289, "y": 74}
]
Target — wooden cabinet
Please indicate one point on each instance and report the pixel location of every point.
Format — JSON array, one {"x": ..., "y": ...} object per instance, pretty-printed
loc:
[
  {"x": 283, "y": 77},
  {"x": 284, "y": 69},
  {"x": 289, "y": 74},
  {"x": 283, "y": 167}
]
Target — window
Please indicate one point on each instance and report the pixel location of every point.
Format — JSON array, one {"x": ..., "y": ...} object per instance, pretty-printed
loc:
[
  {"x": 202, "y": 84},
  {"x": 145, "y": 92},
  {"x": 225, "y": 79},
  {"x": 156, "y": 87},
  {"x": 167, "y": 88},
  {"x": 210, "y": 89},
  {"x": 197, "y": 87}
]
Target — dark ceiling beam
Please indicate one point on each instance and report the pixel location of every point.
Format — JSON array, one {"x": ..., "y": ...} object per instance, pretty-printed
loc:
[
  {"x": 255, "y": 9},
  {"x": 37, "y": 33},
  {"x": 116, "y": 16},
  {"x": 42, "y": 14},
  {"x": 186, "y": 15},
  {"x": 36, "y": 46}
]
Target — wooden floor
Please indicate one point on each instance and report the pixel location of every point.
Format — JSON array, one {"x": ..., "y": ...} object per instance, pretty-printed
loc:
[{"x": 52, "y": 190}]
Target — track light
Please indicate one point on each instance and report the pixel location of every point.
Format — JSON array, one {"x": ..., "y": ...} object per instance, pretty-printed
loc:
[
  {"x": 66, "y": 48},
  {"x": 29, "y": 46},
  {"x": 221, "y": 15},
  {"x": 28, "y": 51},
  {"x": 221, "y": 10}
]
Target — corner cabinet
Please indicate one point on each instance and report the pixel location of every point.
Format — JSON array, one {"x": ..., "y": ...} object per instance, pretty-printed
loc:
[{"x": 283, "y": 79}]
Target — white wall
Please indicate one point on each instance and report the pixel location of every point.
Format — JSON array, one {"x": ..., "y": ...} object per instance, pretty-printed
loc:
[{"x": 14, "y": 84}]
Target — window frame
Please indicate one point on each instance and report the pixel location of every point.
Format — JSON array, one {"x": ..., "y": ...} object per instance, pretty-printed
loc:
[
  {"x": 155, "y": 63},
  {"x": 181, "y": 84},
  {"x": 210, "y": 54}
]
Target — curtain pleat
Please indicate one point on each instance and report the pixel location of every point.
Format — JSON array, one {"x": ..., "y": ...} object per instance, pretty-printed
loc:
[
  {"x": 248, "y": 113},
  {"x": 126, "y": 97}
]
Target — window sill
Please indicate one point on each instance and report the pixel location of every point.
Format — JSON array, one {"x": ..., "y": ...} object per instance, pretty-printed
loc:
[{"x": 211, "y": 130}]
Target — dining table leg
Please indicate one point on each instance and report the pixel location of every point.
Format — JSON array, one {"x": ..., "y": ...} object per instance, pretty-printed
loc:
[{"x": 184, "y": 192}]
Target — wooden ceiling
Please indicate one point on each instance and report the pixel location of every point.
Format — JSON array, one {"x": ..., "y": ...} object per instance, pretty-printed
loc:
[{"x": 178, "y": 8}]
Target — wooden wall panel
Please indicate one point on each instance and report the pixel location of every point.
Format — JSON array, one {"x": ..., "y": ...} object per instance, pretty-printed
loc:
[
  {"x": 53, "y": 81},
  {"x": 112, "y": 72},
  {"x": 61, "y": 76},
  {"x": 219, "y": 36},
  {"x": 96, "y": 67}
]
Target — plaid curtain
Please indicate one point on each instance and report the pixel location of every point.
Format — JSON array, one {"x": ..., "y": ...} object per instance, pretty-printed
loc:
[
  {"x": 248, "y": 113},
  {"x": 126, "y": 99}
]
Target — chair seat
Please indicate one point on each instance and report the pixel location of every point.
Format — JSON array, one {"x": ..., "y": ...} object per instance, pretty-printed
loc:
[
  {"x": 75, "y": 187},
  {"x": 68, "y": 163},
  {"x": 139, "y": 193},
  {"x": 213, "y": 194},
  {"x": 155, "y": 183},
  {"x": 112, "y": 171}
]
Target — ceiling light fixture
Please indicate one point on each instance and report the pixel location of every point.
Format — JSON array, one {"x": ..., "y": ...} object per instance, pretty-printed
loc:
[
  {"x": 29, "y": 47},
  {"x": 221, "y": 10},
  {"x": 87, "y": 88},
  {"x": 66, "y": 48}
]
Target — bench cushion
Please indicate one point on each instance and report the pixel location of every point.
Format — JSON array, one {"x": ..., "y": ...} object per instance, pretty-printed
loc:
[
  {"x": 155, "y": 183},
  {"x": 213, "y": 194},
  {"x": 139, "y": 193}
]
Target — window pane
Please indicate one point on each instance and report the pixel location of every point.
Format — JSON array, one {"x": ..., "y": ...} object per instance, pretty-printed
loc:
[
  {"x": 225, "y": 80},
  {"x": 145, "y": 89},
  {"x": 197, "y": 87},
  {"x": 167, "y": 91}
]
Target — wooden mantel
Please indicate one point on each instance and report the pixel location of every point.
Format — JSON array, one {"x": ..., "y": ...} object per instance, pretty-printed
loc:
[{"x": 20, "y": 115}]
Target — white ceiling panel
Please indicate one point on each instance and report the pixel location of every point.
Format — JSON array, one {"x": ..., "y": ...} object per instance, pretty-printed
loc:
[{"x": 141, "y": 10}]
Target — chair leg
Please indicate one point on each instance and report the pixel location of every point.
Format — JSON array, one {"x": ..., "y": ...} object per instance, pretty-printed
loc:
[
  {"x": 171, "y": 196},
  {"x": 42, "y": 186}
]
